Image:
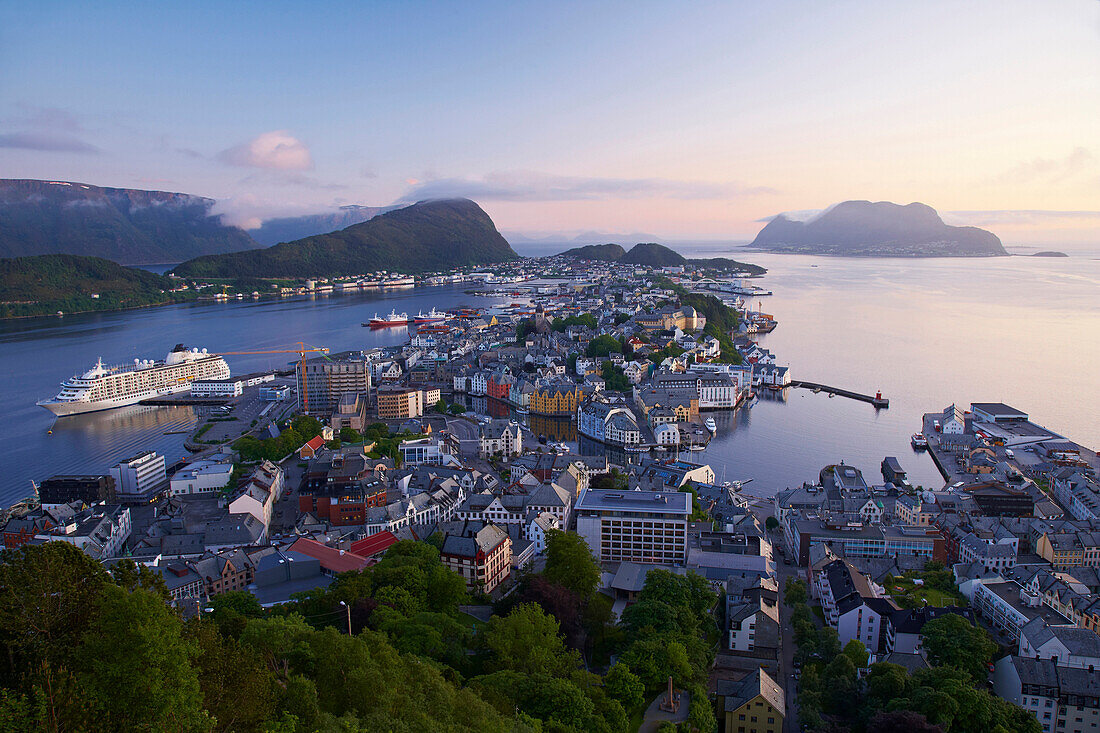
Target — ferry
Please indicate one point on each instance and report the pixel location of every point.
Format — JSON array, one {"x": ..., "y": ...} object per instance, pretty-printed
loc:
[
  {"x": 432, "y": 316},
  {"x": 106, "y": 387},
  {"x": 393, "y": 319},
  {"x": 711, "y": 425},
  {"x": 918, "y": 441}
]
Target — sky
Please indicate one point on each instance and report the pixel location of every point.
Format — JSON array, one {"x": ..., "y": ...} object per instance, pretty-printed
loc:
[{"x": 685, "y": 120}]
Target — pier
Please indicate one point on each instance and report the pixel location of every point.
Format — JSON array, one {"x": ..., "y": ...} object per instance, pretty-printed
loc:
[{"x": 877, "y": 400}]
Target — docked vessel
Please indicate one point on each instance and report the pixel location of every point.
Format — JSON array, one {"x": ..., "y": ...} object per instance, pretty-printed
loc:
[
  {"x": 711, "y": 425},
  {"x": 393, "y": 319},
  {"x": 432, "y": 316},
  {"x": 918, "y": 441},
  {"x": 106, "y": 387}
]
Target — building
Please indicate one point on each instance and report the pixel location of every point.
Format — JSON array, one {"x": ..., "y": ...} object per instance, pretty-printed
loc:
[
  {"x": 217, "y": 388},
  {"x": 351, "y": 412},
  {"x": 1063, "y": 699},
  {"x": 100, "y": 530},
  {"x": 608, "y": 423},
  {"x": 500, "y": 436},
  {"x": 904, "y": 626},
  {"x": 321, "y": 381},
  {"x": 257, "y": 493},
  {"x": 1009, "y": 607},
  {"x": 400, "y": 403},
  {"x": 483, "y": 558},
  {"x": 63, "y": 489},
  {"x": 200, "y": 477},
  {"x": 139, "y": 479},
  {"x": 754, "y": 704},
  {"x": 340, "y": 487},
  {"x": 640, "y": 526},
  {"x": 558, "y": 399},
  {"x": 422, "y": 450},
  {"x": 851, "y": 605}
]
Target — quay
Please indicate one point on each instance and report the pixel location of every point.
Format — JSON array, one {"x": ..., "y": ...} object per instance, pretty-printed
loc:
[
  {"x": 877, "y": 400},
  {"x": 170, "y": 401}
]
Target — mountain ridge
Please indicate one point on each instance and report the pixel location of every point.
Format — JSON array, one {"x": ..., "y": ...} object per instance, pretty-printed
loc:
[
  {"x": 126, "y": 225},
  {"x": 290, "y": 228},
  {"x": 426, "y": 236}
]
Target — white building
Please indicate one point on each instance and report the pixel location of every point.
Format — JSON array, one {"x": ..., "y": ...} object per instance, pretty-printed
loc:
[
  {"x": 200, "y": 477},
  {"x": 639, "y": 526},
  {"x": 138, "y": 479}
]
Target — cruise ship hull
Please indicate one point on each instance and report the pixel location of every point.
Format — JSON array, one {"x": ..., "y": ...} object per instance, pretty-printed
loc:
[{"x": 63, "y": 408}]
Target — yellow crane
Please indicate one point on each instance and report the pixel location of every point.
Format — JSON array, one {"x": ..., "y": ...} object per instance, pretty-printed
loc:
[{"x": 301, "y": 351}]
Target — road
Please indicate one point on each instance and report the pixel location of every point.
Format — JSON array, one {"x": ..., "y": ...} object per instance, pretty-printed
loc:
[{"x": 786, "y": 664}]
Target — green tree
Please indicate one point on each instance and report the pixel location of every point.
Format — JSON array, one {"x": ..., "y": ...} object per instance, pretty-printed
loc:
[
  {"x": 603, "y": 345},
  {"x": 237, "y": 689},
  {"x": 624, "y": 686},
  {"x": 771, "y": 524},
  {"x": 856, "y": 652},
  {"x": 527, "y": 641},
  {"x": 350, "y": 435},
  {"x": 456, "y": 409},
  {"x": 952, "y": 641},
  {"x": 794, "y": 592},
  {"x": 135, "y": 666},
  {"x": 569, "y": 563}
]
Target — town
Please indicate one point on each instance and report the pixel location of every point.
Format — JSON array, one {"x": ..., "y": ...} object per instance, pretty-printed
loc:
[{"x": 533, "y": 463}]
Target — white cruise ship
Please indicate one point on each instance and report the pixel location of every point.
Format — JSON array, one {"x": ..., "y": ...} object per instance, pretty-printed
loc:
[{"x": 102, "y": 387}]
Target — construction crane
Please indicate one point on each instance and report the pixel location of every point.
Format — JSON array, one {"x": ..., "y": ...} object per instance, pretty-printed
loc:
[{"x": 301, "y": 351}]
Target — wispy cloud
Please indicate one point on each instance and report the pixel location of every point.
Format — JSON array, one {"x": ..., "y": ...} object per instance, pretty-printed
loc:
[
  {"x": 46, "y": 141},
  {"x": 1050, "y": 170},
  {"x": 1020, "y": 217},
  {"x": 275, "y": 150},
  {"x": 49, "y": 129},
  {"x": 534, "y": 186}
]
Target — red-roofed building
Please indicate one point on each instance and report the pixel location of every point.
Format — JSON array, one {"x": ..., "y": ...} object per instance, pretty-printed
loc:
[
  {"x": 332, "y": 561},
  {"x": 309, "y": 450},
  {"x": 374, "y": 545}
]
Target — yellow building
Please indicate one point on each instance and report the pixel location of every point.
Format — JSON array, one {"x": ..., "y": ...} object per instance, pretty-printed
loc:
[
  {"x": 1063, "y": 550},
  {"x": 559, "y": 399},
  {"x": 754, "y": 704}
]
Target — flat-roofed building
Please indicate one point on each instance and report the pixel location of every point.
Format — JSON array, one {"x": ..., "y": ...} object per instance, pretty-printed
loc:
[
  {"x": 321, "y": 381},
  {"x": 640, "y": 526}
]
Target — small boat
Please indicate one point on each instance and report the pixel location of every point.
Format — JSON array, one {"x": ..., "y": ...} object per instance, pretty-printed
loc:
[
  {"x": 711, "y": 425},
  {"x": 697, "y": 446},
  {"x": 523, "y": 410},
  {"x": 918, "y": 441},
  {"x": 393, "y": 319}
]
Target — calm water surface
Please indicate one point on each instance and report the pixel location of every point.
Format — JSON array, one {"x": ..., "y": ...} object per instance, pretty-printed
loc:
[{"x": 1021, "y": 330}]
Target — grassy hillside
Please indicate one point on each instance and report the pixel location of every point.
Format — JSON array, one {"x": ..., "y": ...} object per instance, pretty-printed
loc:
[
  {"x": 600, "y": 252},
  {"x": 46, "y": 284},
  {"x": 427, "y": 236}
]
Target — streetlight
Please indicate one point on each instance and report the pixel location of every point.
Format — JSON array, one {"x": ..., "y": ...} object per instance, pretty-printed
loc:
[{"x": 348, "y": 609}]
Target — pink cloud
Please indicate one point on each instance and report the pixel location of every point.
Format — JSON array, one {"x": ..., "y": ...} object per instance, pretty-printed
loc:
[{"x": 278, "y": 150}]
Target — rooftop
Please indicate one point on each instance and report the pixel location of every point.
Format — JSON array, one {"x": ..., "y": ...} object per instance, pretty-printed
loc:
[{"x": 655, "y": 502}]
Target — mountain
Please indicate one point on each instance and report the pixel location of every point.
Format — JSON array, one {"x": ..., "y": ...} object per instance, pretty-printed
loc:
[
  {"x": 45, "y": 284},
  {"x": 657, "y": 255},
  {"x": 121, "y": 224},
  {"x": 287, "y": 229},
  {"x": 426, "y": 236},
  {"x": 601, "y": 252},
  {"x": 654, "y": 255},
  {"x": 883, "y": 229}
]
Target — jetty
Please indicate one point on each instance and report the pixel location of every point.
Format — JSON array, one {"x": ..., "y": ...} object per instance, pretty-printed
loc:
[{"x": 877, "y": 399}]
